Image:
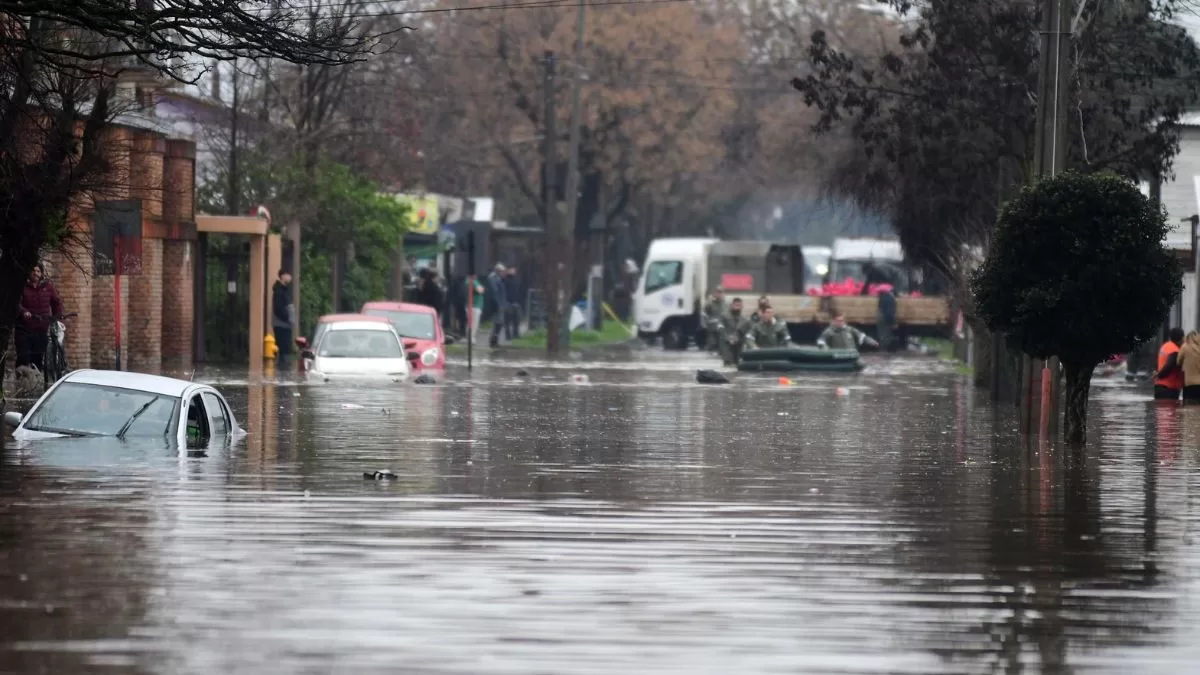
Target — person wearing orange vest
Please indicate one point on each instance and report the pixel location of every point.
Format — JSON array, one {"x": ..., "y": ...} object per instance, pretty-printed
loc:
[{"x": 1168, "y": 379}]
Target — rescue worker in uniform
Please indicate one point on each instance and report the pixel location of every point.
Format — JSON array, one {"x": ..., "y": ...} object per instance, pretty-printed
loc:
[
  {"x": 714, "y": 310},
  {"x": 763, "y": 303},
  {"x": 770, "y": 331},
  {"x": 1188, "y": 361},
  {"x": 1168, "y": 379},
  {"x": 840, "y": 336},
  {"x": 732, "y": 332}
]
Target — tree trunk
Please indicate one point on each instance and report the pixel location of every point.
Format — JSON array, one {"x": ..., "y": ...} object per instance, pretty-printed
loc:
[{"x": 1078, "y": 385}]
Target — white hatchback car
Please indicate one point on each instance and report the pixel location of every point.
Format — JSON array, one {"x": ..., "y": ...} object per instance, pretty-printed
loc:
[
  {"x": 118, "y": 404},
  {"x": 365, "y": 347}
]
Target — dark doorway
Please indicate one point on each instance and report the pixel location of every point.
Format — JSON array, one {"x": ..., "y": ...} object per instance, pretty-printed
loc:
[{"x": 227, "y": 299}]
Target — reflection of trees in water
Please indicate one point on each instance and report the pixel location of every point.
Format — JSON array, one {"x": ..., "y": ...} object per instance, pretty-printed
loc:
[
  {"x": 1059, "y": 554},
  {"x": 61, "y": 577}
]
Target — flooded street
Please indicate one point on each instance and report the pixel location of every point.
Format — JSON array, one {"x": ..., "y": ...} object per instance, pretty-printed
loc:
[{"x": 641, "y": 523}]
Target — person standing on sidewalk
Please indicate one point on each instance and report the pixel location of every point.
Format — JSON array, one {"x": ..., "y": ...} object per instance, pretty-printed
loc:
[
  {"x": 476, "y": 316},
  {"x": 283, "y": 315},
  {"x": 495, "y": 288},
  {"x": 512, "y": 313}
]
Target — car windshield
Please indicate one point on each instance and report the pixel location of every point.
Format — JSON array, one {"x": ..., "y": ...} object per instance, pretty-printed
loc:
[
  {"x": 417, "y": 325},
  {"x": 93, "y": 410},
  {"x": 663, "y": 273},
  {"x": 359, "y": 343}
]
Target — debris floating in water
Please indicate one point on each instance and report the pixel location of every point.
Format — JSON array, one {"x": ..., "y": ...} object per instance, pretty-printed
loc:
[
  {"x": 784, "y": 380},
  {"x": 580, "y": 378},
  {"x": 711, "y": 377},
  {"x": 522, "y": 373},
  {"x": 843, "y": 391},
  {"x": 425, "y": 378},
  {"x": 352, "y": 406},
  {"x": 383, "y": 474}
]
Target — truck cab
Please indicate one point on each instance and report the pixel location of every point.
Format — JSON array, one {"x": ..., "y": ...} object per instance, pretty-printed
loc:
[
  {"x": 672, "y": 289},
  {"x": 853, "y": 256}
]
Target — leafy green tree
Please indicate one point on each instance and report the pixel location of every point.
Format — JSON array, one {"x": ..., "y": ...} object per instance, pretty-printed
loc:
[
  {"x": 337, "y": 209},
  {"x": 943, "y": 125},
  {"x": 1078, "y": 270}
]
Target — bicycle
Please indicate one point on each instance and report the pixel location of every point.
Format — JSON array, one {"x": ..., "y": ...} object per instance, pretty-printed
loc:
[{"x": 54, "y": 366}]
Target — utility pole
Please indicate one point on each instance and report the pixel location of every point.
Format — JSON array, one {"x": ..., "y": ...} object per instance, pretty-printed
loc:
[
  {"x": 568, "y": 225},
  {"x": 1054, "y": 70},
  {"x": 554, "y": 281}
]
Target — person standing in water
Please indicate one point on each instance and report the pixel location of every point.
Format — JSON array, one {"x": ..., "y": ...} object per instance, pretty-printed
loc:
[{"x": 1168, "y": 379}]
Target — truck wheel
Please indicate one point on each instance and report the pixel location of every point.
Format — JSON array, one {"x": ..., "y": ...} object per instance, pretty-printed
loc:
[{"x": 673, "y": 337}]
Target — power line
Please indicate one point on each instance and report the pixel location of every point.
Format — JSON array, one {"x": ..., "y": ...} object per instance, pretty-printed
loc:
[{"x": 525, "y": 4}]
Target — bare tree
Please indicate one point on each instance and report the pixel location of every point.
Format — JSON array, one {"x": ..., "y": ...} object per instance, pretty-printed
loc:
[{"x": 60, "y": 67}]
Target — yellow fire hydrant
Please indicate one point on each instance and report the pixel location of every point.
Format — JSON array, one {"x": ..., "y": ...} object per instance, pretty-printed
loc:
[{"x": 270, "y": 349}]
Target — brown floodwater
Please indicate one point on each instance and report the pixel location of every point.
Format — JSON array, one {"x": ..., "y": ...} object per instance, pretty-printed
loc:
[{"x": 639, "y": 523}]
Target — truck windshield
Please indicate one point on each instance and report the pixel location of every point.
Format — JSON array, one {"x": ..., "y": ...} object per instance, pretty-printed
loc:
[
  {"x": 857, "y": 270},
  {"x": 663, "y": 273}
]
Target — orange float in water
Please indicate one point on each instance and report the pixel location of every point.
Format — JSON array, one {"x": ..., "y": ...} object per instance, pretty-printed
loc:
[{"x": 783, "y": 380}]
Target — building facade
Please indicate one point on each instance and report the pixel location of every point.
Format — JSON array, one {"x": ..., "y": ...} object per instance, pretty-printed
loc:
[{"x": 156, "y": 300}]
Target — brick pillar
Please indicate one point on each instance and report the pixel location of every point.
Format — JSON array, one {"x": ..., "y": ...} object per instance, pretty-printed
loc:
[
  {"x": 179, "y": 178},
  {"x": 74, "y": 286},
  {"x": 178, "y": 256},
  {"x": 177, "y": 311},
  {"x": 145, "y": 316}
]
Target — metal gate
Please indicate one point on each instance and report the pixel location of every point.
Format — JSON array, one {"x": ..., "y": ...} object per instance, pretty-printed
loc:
[{"x": 227, "y": 299}]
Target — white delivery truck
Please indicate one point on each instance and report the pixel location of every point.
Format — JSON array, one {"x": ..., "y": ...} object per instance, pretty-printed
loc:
[
  {"x": 816, "y": 266},
  {"x": 852, "y": 255},
  {"x": 672, "y": 290}
]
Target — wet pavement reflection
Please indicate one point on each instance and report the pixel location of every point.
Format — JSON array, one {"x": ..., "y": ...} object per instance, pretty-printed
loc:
[{"x": 640, "y": 523}]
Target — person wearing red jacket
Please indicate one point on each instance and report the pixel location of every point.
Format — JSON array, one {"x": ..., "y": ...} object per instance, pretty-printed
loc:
[{"x": 38, "y": 307}]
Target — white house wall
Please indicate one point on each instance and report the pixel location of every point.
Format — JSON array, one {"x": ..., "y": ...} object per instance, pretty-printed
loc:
[{"x": 1179, "y": 194}]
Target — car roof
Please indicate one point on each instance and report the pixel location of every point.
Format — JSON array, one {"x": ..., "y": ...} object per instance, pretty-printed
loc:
[
  {"x": 154, "y": 384},
  {"x": 399, "y": 307},
  {"x": 358, "y": 318},
  {"x": 356, "y": 324}
]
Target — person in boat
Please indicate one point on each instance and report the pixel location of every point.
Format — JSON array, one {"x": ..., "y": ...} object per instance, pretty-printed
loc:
[
  {"x": 714, "y": 309},
  {"x": 841, "y": 336},
  {"x": 770, "y": 331},
  {"x": 1168, "y": 379},
  {"x": 732, "y": 331},
  {"x": 763, "y": 303}
]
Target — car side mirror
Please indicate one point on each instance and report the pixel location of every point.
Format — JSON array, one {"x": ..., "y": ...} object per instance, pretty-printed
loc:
[
  {"x": 307, "y": 354},
  {"x": 12, "y": 419},
  {"x": 413, "y": 356},
  {"x": 410, "y": 344},
  {"x": 301, "y": 342}
]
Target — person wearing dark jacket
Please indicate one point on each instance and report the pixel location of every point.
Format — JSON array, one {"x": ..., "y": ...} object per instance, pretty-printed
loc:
[
  {"x": 39, "y": 306},
  {"x": 512, "y": 313},
  {"x": 283, "y": 314},
  {"x": 495, "y": 289}
]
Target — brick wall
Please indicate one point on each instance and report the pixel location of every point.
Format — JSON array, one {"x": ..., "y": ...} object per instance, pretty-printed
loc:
[
  {"x": 75, "y": 288},
  {"x": 179, "y": 182},
  {"x": 103, "y": 322},
  {"x": 157, "y": 312},
  {"x": 146, "y": 171},
  {"x": 145, "y": 316},
  {"x": 177, "y": 312}
]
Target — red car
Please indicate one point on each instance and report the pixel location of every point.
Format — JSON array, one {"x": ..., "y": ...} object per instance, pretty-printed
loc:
[{"x": 420, "y": 329}]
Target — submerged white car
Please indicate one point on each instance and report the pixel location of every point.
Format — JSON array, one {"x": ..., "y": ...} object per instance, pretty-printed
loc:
[
  {"x": 117, "y": 404},
  {"x": 364, "y": 347}
]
